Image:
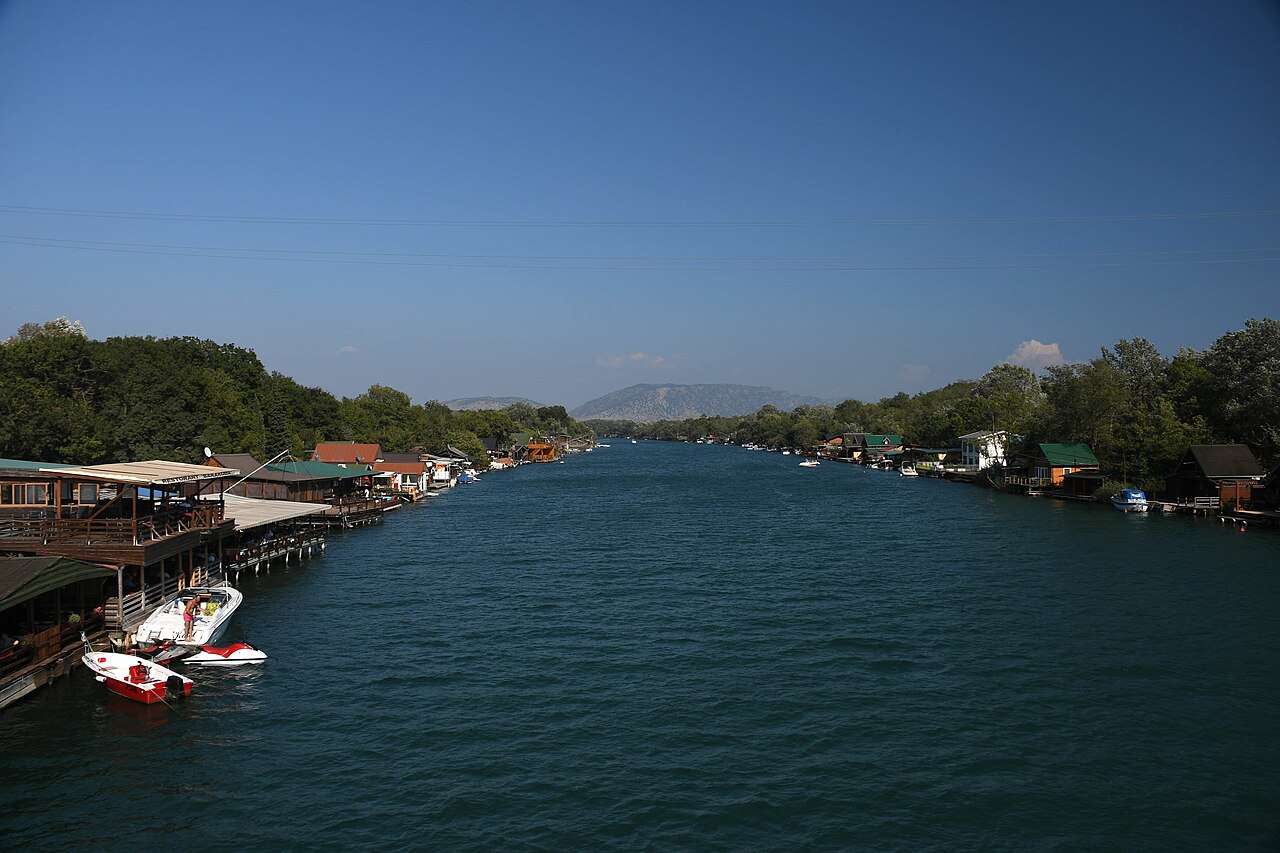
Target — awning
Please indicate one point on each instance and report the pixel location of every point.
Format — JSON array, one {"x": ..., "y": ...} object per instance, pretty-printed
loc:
[
  {"x": 249, "y": 513},
  {"x": 24, "y": 578},
  {"x": 156, "y": 472}
]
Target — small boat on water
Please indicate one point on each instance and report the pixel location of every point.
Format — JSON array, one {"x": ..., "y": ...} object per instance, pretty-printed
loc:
[
  {"x": 135, "y": 678},
  {"x": 211, "y": 608},
  {"x": 1130, "y": 500},
  {"x": 809, "y": 463},
  {"x": 232, "y": 655},
  {"x": 906, "y": 470}
]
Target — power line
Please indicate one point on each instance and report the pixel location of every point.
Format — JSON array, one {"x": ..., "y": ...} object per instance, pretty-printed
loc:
[
  {"x": 21, "y": 240},
  {"x": 608, "y": 223},
  {"x": 587, "y": 268}
]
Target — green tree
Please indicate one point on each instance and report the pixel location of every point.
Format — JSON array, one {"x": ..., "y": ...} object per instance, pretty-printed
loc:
[{"x": 1245, "y": 366}]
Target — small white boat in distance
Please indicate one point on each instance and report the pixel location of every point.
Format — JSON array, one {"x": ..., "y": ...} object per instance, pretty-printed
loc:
[
  {"x": 809, "y": 463},
  {"x": 908, "y": 470},
  {"x": 211, "y": 614},
  {"x": 232, "y": 655},
  {"x": 1130, "y": 500}
]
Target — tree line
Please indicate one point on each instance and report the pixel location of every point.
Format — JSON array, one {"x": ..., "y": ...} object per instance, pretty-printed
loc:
[
  {"x": 67, "y": 398},
  {"x": 1136, "y": 409}
]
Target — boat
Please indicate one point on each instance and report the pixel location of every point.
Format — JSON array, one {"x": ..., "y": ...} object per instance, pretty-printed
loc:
[
  {"x": 908, "y": 470},
  {"x": 212, "y": 607},
  {"x": 1130, "y": 500},
  {"x": 809, "y": 463},
  {"x": 232, "y": 655},
  {"x": 161, "y": 651},
  {"x": 135, "y": 678}
]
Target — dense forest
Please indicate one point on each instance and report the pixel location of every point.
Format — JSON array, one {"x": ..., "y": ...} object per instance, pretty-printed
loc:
[
  {"x": 67, "y": 398},
  {"x": 1136, "y": 409}
]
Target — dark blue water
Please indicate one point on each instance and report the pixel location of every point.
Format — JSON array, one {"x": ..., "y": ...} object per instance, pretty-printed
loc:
[{"x": 683, "y": 647}]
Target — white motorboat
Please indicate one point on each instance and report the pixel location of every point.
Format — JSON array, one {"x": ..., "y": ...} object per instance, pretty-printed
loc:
[
  {"x": 809, "y": 463},
  {"x": 232, "y": 655},
  {"x": 211, "y": 608},
  {"x": 1130, "y": 500},
  {"x": 135, "y": 678},
  {"x": 908, "y": 470}
]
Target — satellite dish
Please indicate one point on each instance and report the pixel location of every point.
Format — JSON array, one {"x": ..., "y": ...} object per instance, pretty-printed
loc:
[{"x": 208, "y": 454}]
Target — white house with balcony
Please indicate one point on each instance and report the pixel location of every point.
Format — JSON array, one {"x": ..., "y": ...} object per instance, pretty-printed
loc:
[{"x": 983, "y": 449}]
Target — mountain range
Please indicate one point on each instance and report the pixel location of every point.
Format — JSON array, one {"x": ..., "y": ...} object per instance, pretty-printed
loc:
[{"x": 646, "y": 403}]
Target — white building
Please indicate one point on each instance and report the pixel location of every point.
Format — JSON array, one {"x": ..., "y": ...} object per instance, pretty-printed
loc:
[{"x": 983, "y": 449}]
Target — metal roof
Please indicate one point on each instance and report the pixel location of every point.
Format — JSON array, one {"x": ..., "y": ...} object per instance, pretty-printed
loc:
[
  {"x": 1068, "y": 454},
  {"x": 319, "y": 469},
  {"x": 1226, "y": 460},
  {"x": 252, "y": 512},
  {"x": 335, "y": 452},
  {"x": 35, "y": 466},
  {"x": 156, "y": 471},
  {"x": 24, "y": 578}
]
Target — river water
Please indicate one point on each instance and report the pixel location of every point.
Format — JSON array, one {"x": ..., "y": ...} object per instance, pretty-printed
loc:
[{"x": 688, "y": 647}]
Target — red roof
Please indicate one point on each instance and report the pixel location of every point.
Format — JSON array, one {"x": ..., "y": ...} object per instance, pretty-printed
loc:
[
  {"x": 415, "y": 468},
  {"x": 339, "y": 452}
]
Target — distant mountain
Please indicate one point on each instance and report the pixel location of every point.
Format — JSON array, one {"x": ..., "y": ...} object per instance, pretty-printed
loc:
[
  {"x": 646, "y": 403},
  {"x": 478, "y": 404}
]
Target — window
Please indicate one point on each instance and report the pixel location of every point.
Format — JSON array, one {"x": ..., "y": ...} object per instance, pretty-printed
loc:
[
  {"x": 88, "y": 493},
  {"x": 24, "y": 494}
]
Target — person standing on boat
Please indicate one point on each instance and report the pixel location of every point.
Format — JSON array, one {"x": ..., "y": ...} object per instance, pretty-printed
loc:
[{"x": 189, "y": 615}]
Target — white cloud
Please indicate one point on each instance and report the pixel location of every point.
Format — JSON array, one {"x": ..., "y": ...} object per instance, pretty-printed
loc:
[
  {"x": 348, "y": 349},
  {"x": 629, "y": 359},
  {"x": 913, "y": 373},
  {"x": 1034, "y": 354}
]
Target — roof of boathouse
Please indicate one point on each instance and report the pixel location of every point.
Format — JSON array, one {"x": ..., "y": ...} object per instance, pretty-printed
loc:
[
  {"x": 26, "y": 465},
  {"x": 249, "y": 513},
  {"x": 1068, "y": 454},
  {"x": 24, "y": 578},
  {"x": 256, "y": 470},
  {"x": 1217, "y": 461},
  {"x": 152, "y": 472},
  {"x": 338, "y": 452},
  {"x": 319, "y": 469}
]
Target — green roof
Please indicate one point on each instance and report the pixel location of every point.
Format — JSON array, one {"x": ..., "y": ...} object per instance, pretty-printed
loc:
[
  {"x": 24, "y": 578},
  {"x": 1068, "y": 454},
  {"x": 319, "y": 469},
  {"x": 34, "y": 466},
  {"x": 874, "y": 441}
]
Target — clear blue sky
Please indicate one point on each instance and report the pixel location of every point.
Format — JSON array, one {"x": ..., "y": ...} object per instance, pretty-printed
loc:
[{"x": 556, "y": 200}]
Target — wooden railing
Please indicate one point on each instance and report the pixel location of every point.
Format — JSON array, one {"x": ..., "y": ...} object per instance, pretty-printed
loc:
[
  {"x": 1197, "y": 503},
  {"x": 47, "y": 643},
  {"x": 136, "y": 605},
  {"x": 1029, "y": 482},
  {"x": 112, "y": 530}
]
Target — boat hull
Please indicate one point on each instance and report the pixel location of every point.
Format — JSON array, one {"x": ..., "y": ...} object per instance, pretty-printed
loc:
[
  {"x": 233, "y": 655},
  {"x": 166, "y": 624},
  {"x": 137, "y": 679}
]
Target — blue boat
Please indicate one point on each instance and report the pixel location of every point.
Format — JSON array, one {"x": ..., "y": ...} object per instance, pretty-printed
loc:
[{"x": 1130, "y": 500}]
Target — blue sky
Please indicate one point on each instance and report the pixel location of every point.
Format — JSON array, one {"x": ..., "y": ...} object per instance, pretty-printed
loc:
[{"x": 556, "y": 200}]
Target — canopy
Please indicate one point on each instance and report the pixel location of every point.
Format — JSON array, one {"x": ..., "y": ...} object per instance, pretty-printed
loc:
[
  {"x": 24, "y": 578},
  {"x": 252, "y": 512},
  {"x": 157, "y": 472}
]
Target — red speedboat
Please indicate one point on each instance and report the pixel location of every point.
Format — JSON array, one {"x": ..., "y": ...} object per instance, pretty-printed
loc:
[{"x": 137, "y": 679}]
